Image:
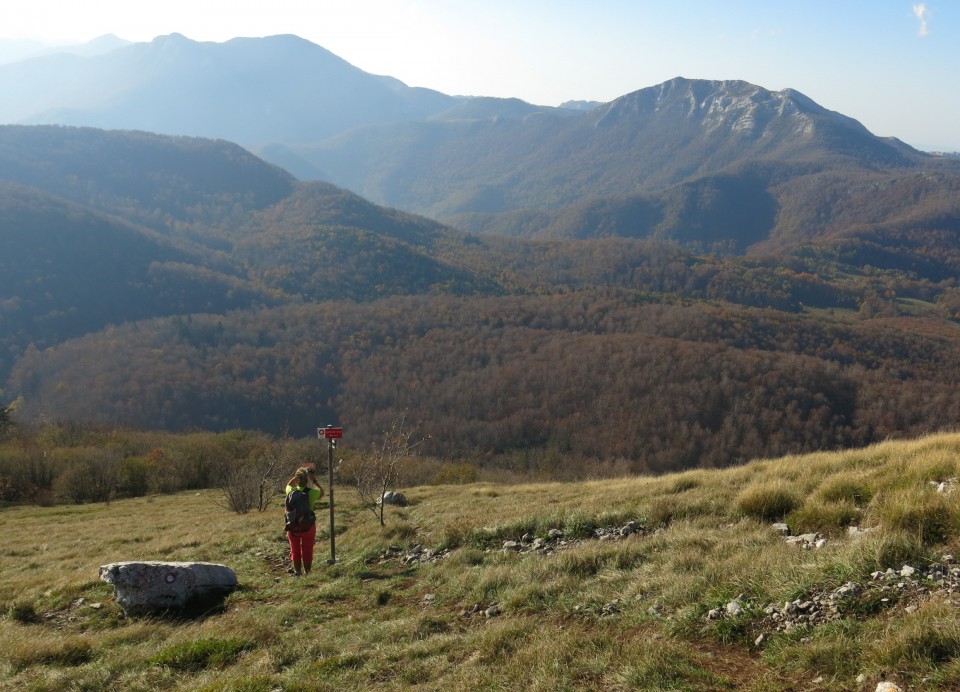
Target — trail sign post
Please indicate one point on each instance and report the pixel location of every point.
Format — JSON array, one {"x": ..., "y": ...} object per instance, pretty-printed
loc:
[{"x": 331, "y": 435}]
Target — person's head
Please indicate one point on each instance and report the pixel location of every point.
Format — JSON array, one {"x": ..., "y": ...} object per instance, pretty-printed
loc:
[{"x": 301, "y": 477}]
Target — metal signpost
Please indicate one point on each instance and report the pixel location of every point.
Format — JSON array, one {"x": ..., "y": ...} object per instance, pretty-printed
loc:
[{"x": 331, "y": 435}]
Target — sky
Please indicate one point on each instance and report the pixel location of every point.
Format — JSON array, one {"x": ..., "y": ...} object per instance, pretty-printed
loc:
[{"x": 894, "y": 65}]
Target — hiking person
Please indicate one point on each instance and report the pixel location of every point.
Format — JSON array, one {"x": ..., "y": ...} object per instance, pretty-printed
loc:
[{"x": 300, "y": 519}]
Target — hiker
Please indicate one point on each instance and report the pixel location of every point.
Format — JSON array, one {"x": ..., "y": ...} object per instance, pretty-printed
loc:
[{"x": 301, "y": 524}]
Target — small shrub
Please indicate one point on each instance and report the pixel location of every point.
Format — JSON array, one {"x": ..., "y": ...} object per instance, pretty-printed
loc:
[
  {"x": 767, "y": 501},
  {"x": 134, "y": 478}
]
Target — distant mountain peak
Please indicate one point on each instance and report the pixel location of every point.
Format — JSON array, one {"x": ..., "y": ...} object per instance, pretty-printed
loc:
[{"x": 730, "y": 107}]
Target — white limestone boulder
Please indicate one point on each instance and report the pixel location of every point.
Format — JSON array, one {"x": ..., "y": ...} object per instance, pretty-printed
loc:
[
  {"x": 149, "y": 587},
  {"x": 392, "y": 497}
]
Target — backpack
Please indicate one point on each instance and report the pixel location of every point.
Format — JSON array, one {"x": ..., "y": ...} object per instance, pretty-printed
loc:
[{"x": 298, "y": 515}]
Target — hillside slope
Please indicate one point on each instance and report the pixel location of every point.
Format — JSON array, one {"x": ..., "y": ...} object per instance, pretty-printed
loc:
[
  {"x": 680, "y": 581},
  {"x": 256, "y": 301},
  {"x": 685, "y": 160}
]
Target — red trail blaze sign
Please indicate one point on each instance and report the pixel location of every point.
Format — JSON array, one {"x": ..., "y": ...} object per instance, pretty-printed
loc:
[{"x": 329, "y": 433}]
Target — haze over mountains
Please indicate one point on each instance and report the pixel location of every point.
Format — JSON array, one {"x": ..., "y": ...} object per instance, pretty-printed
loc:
[
  {"x": 674, "y": 161},
  {"x": 698, "y": 272}
]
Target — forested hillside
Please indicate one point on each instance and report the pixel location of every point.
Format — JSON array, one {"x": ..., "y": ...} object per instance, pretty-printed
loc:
[
  {"x": 205, "y": 289},
  {"x": 585, "y": 382}
]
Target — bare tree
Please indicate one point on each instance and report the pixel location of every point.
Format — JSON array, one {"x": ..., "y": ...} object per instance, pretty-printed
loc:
[
  {"x": 380, "y": 467},
  {"x": 252, "y": 483},
  {"x": 6, "y": 421}
]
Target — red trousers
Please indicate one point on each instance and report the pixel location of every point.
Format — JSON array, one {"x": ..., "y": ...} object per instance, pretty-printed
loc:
[{"x": 301, "y": 544}]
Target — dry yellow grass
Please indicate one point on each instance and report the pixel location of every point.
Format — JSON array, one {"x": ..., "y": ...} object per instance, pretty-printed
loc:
[{"x": 616, "y": 614}]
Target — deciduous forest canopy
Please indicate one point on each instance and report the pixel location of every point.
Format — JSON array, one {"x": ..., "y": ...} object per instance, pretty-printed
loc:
[{"x": 787, "y": 299}]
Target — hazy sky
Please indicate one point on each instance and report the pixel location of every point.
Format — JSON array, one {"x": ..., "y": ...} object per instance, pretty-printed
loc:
[{"x": 894, "y": 65}]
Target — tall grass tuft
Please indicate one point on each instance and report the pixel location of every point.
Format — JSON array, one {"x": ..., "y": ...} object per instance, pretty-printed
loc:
[
  {"x": 822, "y": 516},
  {"x": 23, "y": 612},
  {"x": 929, "y": 637},
  {"x": 915, "y": 511},
  {"x": 41, "y": 651},
  {"x": 846, "y": 487},
  {"x": 768, "y": 501},
  {"x": 201, "y": 654},
  {"x": 890, "y": 550}
]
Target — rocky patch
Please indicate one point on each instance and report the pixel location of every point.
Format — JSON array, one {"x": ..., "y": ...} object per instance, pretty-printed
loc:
[
  {"x": 902, "y": 590},
  {"x": 557, "y": 540}
]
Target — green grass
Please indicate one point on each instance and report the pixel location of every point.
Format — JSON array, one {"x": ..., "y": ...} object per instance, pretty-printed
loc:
[{"x": 620, "y": 614}]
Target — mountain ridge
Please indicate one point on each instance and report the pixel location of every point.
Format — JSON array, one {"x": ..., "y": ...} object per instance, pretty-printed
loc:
[
  {"x": 173, "y": 85},
  {"x": 683, "y": 149}
]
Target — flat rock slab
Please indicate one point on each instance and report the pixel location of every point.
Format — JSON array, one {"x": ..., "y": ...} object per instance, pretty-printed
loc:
[{"x": 151, "y": 587}]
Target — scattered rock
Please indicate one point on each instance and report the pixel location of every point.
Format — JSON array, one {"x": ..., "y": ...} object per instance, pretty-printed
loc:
[
  {"x": 413, "y": 554},
  {"x": 887, "y": 686},
  {"x": 492, "y": 611},
  {"x": 807, "y": 541},
  {"x": 906, "y": 589},
  {"x": 945, "y": 486},
  {"x": 781, "y": 528},
  {"x": 860, "y": 532},
  {"x": 612, "y": 608},
  {"x": 475, "y": 608}
]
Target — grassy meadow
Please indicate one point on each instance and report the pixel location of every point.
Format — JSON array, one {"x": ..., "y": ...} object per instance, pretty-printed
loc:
[{"x": 618, "y": 614}]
